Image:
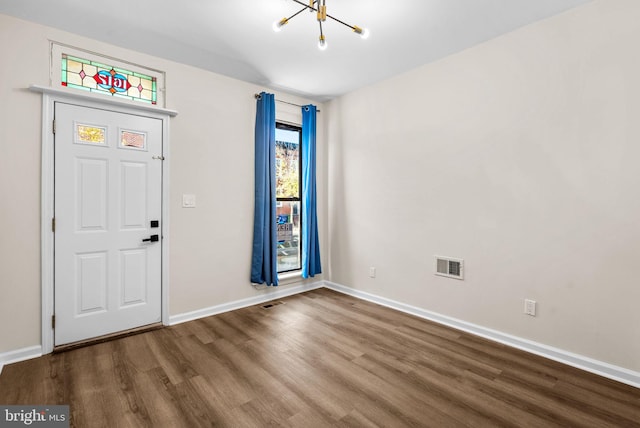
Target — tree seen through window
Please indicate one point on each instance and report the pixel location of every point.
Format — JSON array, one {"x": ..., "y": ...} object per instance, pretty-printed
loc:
[{"x": 288, "y": 177}]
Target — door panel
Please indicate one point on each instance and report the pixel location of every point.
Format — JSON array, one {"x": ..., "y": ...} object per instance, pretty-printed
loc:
[
  {"x": 134, "y": 276},
  {"x": 108, "y": 188},
  {"x": 91, "y": 194},
  {"x": 91, "y": 282},
  {"x": 133, "y": 177}
]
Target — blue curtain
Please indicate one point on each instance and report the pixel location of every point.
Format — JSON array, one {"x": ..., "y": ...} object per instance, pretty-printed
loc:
[
  {"x": 310, "y": 244},
  {"x": 263, "y": 262}
]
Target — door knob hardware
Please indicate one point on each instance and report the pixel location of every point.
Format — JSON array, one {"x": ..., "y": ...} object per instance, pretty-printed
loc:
[
  {"x": 158, "y": 157},
  {"x": 152, "y": 238}
]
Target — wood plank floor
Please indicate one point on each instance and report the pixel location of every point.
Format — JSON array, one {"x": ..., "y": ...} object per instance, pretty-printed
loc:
[{"x": 321, "y": 359}]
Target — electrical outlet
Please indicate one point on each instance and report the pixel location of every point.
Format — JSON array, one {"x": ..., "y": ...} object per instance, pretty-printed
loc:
[
  {"x": 372, "y": 272},
  {"x": 530, "y": 307}
]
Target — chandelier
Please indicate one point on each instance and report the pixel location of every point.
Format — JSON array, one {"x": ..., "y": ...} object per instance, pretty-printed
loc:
[{"x": 320, "y": 7}]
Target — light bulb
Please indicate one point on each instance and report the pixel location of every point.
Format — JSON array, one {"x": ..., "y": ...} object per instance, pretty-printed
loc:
[
  {"x": 277, "y": 25},
  {"x": 322, "y": 43},
  {"x": 364, "y": 33}
]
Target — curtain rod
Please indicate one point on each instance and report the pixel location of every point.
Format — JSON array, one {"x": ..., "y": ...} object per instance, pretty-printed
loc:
[{"x": 257, "y": 96}]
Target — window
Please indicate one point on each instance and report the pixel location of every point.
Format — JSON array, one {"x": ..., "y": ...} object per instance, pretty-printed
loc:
[
  {"x": 90, "y": 134},
  {"x": 83, "y": 70},
  {"x": 287, "y": 241},
  {"x": 93, "y": 76},
  {"x": 288, "y": 195}
]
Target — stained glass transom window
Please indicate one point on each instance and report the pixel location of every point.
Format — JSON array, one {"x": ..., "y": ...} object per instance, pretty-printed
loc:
[{"x": 95, "y": 76}]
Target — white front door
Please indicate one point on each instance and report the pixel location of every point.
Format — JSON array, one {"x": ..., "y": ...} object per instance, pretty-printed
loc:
[{"x": 108, "y": 205}]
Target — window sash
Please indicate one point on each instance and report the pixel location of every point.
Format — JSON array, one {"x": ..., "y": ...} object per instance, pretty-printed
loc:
[{"x": 283, "y": 249}]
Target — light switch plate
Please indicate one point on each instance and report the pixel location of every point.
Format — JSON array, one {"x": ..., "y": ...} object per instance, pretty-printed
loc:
[{"x": 188, "y": 201}]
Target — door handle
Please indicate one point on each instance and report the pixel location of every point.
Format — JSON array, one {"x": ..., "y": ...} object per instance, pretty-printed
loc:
[{"x": 152, "y": 238}]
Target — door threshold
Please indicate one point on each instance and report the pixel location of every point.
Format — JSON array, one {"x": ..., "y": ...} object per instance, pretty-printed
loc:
[{"x": 107, "y": 337}]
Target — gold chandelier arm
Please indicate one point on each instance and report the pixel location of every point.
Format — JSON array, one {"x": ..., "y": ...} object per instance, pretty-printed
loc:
[
  {"x": 322, "y": 11},
  {"x": 353, "y": 27},
  {"x": 301, "y": 10},
  {"x": 325, "y": 15},
  {"x": 307, "y": 6},
  {"x": 320, "y": 6},
  {"x": 322, "y": 41},
  {"x": 284, "y": 21}
]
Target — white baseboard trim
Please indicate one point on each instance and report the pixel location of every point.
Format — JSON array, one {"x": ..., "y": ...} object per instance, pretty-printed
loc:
[
  {"x": 271, "y": 294},
  {"x": 601, "y": 368},
  {"x": 19, "y": 355}
]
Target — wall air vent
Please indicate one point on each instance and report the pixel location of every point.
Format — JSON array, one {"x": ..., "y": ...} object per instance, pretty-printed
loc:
[{"x": 449, "y": 267}]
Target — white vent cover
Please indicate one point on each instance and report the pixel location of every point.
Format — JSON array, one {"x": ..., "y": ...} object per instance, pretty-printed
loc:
[{"x": 450, "y": 267}]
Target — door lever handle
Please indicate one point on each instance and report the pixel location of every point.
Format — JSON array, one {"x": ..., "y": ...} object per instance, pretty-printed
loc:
[{"x": 152, "y": 238}]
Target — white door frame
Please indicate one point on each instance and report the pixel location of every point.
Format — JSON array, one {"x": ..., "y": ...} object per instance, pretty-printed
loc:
[{"x": 49, "y": 97}]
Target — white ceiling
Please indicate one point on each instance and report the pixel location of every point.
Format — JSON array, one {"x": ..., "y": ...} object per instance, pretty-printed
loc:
[{"x": 235, "y": 37}]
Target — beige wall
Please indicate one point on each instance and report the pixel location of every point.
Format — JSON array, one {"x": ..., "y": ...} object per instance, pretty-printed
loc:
[
  {"x": 211, "y": 156},
  {"x": 520, "y": 156}
]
